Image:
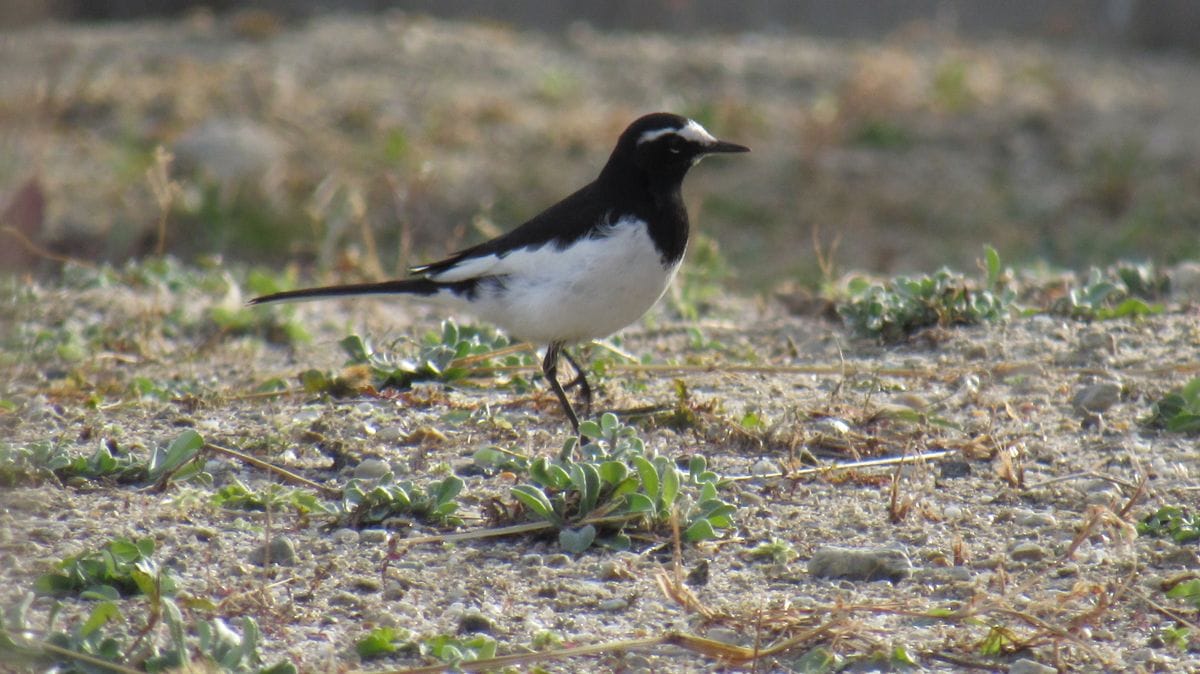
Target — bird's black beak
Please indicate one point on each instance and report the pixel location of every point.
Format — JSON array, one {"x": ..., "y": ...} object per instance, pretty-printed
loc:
[{"x": 722, "y": 146}]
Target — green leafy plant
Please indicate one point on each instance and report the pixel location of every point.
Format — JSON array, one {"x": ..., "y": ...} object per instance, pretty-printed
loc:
[
  {"x": 233, "y": 652},
  {"x": 1177, "y": 411},
  {"x": 776, "y": 550},
  {"x": 1179, "y": 524},
  {"x": 895, "y": 309},
  {"x": 1178, "y": 636},
  {"x": 370, "y": 503},
  {"x": 437, "y": 352},
  {"x": 37, "y": 461},
  {"x": 615, "y": 483},
  {"x": 494, "y": 458},
  {"x": 1117, "y": 293},
  {"x": 274, "y": 497},
  {"x": 453, "y": 650},
  {"x": 279, "y": 326},
  {"x": 1189, "y": 591},
  {"x": 179, "y": 461},
  {"x": 383, "y": 641},
  {"x": 123, "y": 567}
]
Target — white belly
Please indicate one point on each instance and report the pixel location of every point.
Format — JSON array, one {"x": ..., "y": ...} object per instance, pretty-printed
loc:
[{"x": 590, "y": 289}]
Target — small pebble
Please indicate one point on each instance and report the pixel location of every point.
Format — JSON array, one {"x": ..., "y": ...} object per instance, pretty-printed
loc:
[
  {"x": 764, "y": 467},
  {"x": 365, "y": 584},
  {"x": 1034, "y": 519},
  {"x": 1096, "y": 398},
  {"x": 1027, "y": 666},
  {"x": 724, "y": 635},
  {"x": 345, "y": 536},
  {"x": 1098, "y": 341},
  {"x": 392, "y": 434},
  {"x": 853, "y": 564},
  {"x": 976, "y": 352},
  {"x": 1027, "y": 551},
  {"x": 831, "y": 426},
  {"x": 347, "y": 599},
  {"x": 611, "y": 570},
  {"x": 371, "y": 468},
  {"x": 953, "y": 469},
  {"x": 474, "y": 622},
  {"x": 278, "y": 551},
  {"x": 613, "y": 605},
  {"x": 372, "y": 536},
  {"x": 557, "y": 559}
]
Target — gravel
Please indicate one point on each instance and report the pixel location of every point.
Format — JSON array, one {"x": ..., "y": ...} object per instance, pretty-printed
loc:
[{"x": 990, "y": 526}]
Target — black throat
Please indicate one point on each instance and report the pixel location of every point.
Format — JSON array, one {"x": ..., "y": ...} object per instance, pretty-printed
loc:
[{"x": 655, "y": 198}]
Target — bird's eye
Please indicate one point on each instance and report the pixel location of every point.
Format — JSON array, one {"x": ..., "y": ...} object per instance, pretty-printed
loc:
[{"x": 675, "y": 145}]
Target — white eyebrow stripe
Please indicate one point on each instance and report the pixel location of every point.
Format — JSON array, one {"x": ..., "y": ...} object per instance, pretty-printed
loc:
[{"x": 691, "y": 131}]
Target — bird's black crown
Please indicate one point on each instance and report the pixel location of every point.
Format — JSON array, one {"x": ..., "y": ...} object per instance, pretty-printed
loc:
[{"x": 666, "y": 145}]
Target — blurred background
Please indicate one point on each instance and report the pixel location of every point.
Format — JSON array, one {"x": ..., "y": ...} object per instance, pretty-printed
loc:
[{"x": 353, "y": 138}]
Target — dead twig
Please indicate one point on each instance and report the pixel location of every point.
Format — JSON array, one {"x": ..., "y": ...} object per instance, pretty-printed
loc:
[{"x": 282, "y": 472}]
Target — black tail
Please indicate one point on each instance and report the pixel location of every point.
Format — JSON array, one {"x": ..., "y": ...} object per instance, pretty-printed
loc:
[{"x": 414, "y": 286}]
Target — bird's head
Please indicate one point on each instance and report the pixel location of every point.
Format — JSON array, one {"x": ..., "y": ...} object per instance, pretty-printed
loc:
[{"x": 665, "y": 145}]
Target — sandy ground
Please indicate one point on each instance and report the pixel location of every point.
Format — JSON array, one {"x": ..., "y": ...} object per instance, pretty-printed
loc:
[{"x": 989, "y": 527}]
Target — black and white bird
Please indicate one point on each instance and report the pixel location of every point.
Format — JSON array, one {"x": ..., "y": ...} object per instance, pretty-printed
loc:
[{"x": 582, "y": 269}]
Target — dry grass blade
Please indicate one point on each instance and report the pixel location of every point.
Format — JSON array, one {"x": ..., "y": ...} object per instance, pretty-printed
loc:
[
  {"x": 282, "y": 472},
  {"x": 1097, "y": 515},
  {"x": 44, "y": 253},
  {"x": 853, "y": 465}
]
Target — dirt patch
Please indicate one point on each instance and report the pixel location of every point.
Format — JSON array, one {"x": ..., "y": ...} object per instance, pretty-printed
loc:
[{"x": 992, "y": 528}]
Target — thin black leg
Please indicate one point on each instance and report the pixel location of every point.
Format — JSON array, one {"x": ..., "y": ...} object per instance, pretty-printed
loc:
[
  {"x": 585, "y": 389},
  {"x": 550, "y": 369}
]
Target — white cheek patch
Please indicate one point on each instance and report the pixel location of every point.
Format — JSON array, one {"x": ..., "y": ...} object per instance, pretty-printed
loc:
[{"x": 692, "y": 131}]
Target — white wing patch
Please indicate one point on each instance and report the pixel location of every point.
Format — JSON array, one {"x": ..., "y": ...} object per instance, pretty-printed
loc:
[
  {"x": 472, "y": 267},
  {"x": 691, "y": 131}
]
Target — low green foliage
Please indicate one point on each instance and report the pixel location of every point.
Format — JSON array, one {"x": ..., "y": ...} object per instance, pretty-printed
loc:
[
  {"x": 125, "y": 568},
  {"x": 437, "y": 352},
  {"x": 1117, "y": 293},
  {"x": 1179, "y": 524},
  {"x": 237, "y": 495},
  {"x": 371, "y": 503},
  {"x": 546, "y": 639},
  {"x": 893, "y": 310},
  {"x": 44, "y": 460},
  {"x": 775, "y": 550},
  {"x": 383, "y": 641},
  {"x": 453, "y": 650},
  {"x": 1189, "y": 591},
  {"x": 121, "y": 568},
  {"x": 1177, "y": 411},
  {"x": 1178, "y": 637},
  {"x": 179, "y": 461},
  {"x": 614, "y": 482}
]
